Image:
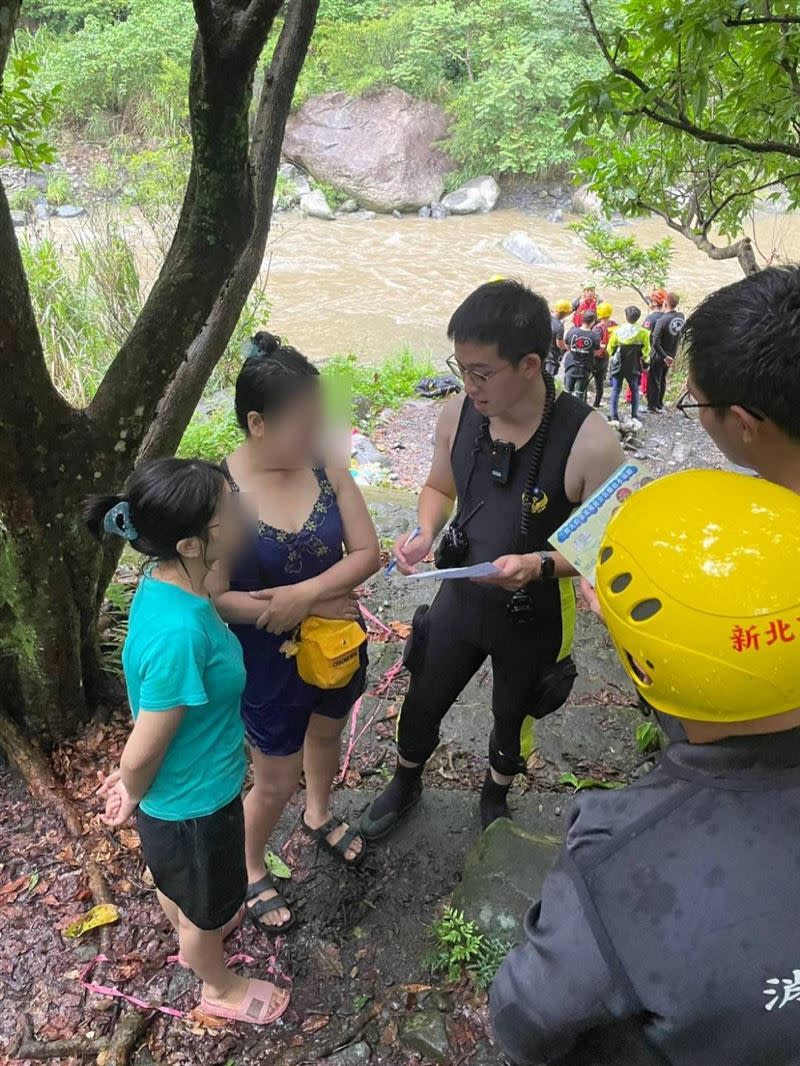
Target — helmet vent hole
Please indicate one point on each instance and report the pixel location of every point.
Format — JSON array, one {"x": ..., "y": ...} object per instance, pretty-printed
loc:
[
  {"x": 646, "y": 609},
  {"x": 639, "y": 673},
  {"x": 606, "y": 554},
  {"x": 621, "y": 582}
]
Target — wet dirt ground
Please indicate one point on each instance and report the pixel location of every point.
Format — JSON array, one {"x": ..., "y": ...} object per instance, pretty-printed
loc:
[{"x": 357, "y": 959}]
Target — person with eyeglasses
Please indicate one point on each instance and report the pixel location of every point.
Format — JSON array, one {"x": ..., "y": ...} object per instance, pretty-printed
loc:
[{"x": 517, "y": 458}]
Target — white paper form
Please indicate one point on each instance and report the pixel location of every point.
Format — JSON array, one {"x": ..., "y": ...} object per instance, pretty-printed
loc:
[{"x": 456, "y": 573}]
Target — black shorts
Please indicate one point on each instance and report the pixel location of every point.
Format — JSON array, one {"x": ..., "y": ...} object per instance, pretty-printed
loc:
[{"x": 199, "y": 863}]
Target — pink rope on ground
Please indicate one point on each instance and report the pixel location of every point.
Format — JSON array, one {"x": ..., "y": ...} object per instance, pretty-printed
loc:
[
  {"x": 114, "y": 993},
  {"x": 351, "y": 742},
  {"x": 370, "y": 617}
]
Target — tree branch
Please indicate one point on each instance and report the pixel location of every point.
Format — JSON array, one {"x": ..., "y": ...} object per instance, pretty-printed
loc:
[
  {"x": 186, "y": 390},
  {"x": 682, "y": 122},
  {"x": 764, "y": 20},
  {"x": 741, "y": 249}
]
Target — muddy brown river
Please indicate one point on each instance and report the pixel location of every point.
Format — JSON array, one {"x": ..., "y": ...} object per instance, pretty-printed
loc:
[{"x": 370, "y": 287}]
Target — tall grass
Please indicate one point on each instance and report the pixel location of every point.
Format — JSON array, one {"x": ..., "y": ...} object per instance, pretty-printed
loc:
[{"x": 87, "y": 299}]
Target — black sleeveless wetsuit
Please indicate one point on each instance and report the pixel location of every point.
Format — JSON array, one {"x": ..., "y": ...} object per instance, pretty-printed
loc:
[{"x": 468, "y": 622}]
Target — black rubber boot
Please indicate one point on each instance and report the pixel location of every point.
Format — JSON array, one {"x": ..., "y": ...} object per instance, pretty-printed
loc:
[
  {"x": 494, "y": 801},
  {"x": 400, "y": 795}
]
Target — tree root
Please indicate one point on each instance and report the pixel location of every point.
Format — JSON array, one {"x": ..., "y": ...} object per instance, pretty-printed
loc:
[
  {"x": 108, "y": 1051},
  {"x": 38, "y": 774}
]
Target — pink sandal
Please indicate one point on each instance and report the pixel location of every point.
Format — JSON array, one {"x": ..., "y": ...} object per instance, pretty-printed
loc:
[{"x": 254, "y": 1008}]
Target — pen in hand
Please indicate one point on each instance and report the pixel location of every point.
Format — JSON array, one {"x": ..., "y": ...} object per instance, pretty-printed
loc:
[{"x": 415, "y": 533}]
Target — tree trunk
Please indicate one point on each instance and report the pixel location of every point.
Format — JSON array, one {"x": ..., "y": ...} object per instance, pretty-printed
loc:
[
  {"x": 52, "y": 576},
  {"x": 746, "y": 256}
]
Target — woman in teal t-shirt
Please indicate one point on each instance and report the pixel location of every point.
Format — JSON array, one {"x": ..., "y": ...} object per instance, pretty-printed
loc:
[{"x": 183, "y": 766}]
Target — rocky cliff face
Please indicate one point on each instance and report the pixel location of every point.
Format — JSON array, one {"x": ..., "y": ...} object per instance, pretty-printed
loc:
[{"x": 382, "y": 149}]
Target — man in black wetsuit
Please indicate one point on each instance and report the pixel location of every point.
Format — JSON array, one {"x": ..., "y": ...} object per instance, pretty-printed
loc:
[
  {"x": 508, "y": 447},
  {"x": 561, "y": 310},
  {"x": 583, "y": 344},
  {"x": 664, "y": 341}
]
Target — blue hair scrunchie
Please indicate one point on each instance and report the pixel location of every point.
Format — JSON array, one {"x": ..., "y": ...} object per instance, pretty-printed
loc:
[
  {"x": 250, "y": 350},
  {"x": 118, "y": 522}
]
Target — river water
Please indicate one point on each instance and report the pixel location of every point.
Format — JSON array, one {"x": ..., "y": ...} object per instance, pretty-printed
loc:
[{"x": 371, "y": 287}]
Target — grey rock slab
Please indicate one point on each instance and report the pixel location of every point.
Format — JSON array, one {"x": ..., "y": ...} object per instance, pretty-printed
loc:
[
  {"x": 19, "y": 218},
  {"x": 69, "y": 211},
  {"x": 426, "y": 1033},
  {"x": 503, "y": 876},
  {"x": 353, "y": 1055},
  {"x": 315, "y": 205},
  {"x": 478, "y": 195},
  {"x": 524, "y": 247},
  {"x": 586, "y": 202}
]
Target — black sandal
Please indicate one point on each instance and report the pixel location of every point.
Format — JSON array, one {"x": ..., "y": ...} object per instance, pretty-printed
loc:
[
  {"x": 339, "y": 849},
  {"x": 257, "y": 910}
]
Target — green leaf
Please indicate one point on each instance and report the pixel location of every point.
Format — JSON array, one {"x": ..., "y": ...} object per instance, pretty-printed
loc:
[
  {"x": 581, "y": 783},
  {"x": 276, "y": 866},
  {"x": 360, "y": 1002}
]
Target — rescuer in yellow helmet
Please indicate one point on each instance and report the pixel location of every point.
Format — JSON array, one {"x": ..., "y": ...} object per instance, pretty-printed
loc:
[
  {"x": 561, "y": 309},
  {"x": 668, "y": 928},
  {"x": 605, "y": 326}
]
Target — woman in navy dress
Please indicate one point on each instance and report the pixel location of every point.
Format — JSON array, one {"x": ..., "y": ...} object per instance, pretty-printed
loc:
[{"x": 315, "y": 543}]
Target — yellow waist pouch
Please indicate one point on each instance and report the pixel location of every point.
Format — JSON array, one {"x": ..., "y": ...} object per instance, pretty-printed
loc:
[{"x": 328, "y": 653}]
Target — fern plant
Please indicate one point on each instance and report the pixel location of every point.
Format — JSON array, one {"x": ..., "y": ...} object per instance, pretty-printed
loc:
[{"x": 461, "y": 947}]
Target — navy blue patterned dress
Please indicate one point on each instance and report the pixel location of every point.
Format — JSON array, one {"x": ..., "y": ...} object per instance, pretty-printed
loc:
[{"x": 277, "y": 704}]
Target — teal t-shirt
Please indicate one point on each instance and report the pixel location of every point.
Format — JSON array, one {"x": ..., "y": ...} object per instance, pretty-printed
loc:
[{"x": 179, "y": 653}]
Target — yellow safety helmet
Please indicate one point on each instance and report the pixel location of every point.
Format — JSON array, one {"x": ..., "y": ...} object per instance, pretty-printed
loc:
[
  {"x": 604, "y": 310},
  {"x": 698, "y": 586},
  {"x": 493, "y": 280},
  {"x": 563, "y": 306}
]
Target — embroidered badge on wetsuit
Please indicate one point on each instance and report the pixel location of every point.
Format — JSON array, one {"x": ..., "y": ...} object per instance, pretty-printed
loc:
[{"x": 537, "y": 500}]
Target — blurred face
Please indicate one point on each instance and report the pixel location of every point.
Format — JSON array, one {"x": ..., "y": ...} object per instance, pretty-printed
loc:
[
  {"x": 226, "y": 534},
  {"x": 588, "y": 294},
  {"x": 292, "y": 438},
  {"x": 493, "y": 384}
]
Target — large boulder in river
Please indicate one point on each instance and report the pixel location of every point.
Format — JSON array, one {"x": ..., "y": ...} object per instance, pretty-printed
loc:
[
  {"x": 381, "y": 149},
  {"x": 479, "y": 195},
  {"x": 525, "y": 248}
]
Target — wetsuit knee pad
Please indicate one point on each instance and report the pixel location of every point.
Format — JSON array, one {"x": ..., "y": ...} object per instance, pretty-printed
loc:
[{"x": 504, "y": 763}]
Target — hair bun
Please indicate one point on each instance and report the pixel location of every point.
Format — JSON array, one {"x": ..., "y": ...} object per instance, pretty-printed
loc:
[{"x": 267, "y": 343}]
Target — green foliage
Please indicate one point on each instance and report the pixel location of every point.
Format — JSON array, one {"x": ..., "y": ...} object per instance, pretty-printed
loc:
[
  {"x": 104, "y": 178},
  {"x": 334, "y": 196},
  {"x": 649, "y": 737},
  {"x": 581, "y": 783},
  {"x": 211, "y": 438},
  {"x": 59, "y": 188},
  {"x": 285, "y": 192},
  {"x": 113, "y": 626},
  {"x": 69, "y": 15},
  {"x": 24, "y": 199},
  {"x": 461, "y": 947},
  {"x": 503, "y": 68},
  {"x": 387, "y": 385},
  {"x": 85, "y": 307},
  {"x": 113, "y": 65},
  {"x": 653, "y": 139},
  {"x": 620, "y": 261},
  {"x": 25, "y": 113}
]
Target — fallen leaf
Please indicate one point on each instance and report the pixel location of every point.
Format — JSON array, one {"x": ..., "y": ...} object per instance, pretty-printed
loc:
[
  {"x": 276, "y": 866},
  {"x": 330, "y": 958},
  {"x": 129, "y": 838},
  {"x": 402, "y": 629},
  {"x": 206, "y": 1021},
  {"x": 389, "y": 1035},
  {"x": 296, "y": 1041},
  {"x": 315, "y": 1023},
  {"x": 104, "y": 914},
  {"x": 13, "y": 886}
]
